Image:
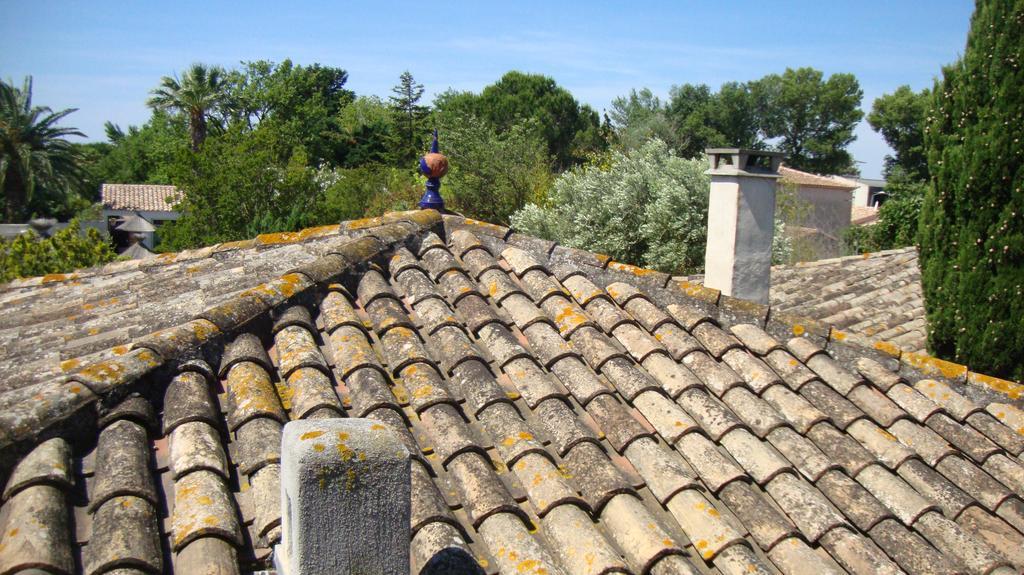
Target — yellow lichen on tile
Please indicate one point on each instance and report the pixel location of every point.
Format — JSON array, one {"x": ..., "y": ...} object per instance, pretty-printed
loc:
[
  {"x": 493, "y": 228},
  {"x": 698, "y": 291},
  {"x": 933, "y": 366},
  {"x": 362, "y": 223},
  {"x": 631, "y": 269},
  {"x": 888, "y": 348},
  {"x": 1011, "y": 389},
  {"x": 51, "y": 278}
]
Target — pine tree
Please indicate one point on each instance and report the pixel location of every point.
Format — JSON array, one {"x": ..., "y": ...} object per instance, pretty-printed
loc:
[
  {"x": 409, "y": 115},
  {"x": 972, "y": 221}
]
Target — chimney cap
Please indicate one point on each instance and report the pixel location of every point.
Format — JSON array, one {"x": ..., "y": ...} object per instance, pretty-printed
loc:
[
  {"x": 744, "y": 162},
  {"x": 751, "y": 151}
]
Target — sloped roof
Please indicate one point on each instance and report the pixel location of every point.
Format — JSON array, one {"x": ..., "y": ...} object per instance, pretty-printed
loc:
[
  {"x": 794, "y": 176},
  {"x": 565, "y": 414},
  {"x": 137, "y": 251},
  {"x": 136, "y": 224},
  {"x": 139, "y": 197},
  {"x": 877, "y": 295},
  {"x": 863, "y": 215}
]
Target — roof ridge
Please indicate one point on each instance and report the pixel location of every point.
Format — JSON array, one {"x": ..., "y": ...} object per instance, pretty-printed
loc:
[
  {"x": 168, "y": 258},
  {"x": 114, "y": 184},
  {"x": 800, "y": 177},
  {"x": 841, "y": 259},
  {"x": 30, "y": 410},
  {"x": 765, "y": 315}
]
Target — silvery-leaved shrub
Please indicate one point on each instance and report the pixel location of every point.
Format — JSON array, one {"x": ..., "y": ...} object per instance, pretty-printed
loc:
[{"x": 648, "y": 207}]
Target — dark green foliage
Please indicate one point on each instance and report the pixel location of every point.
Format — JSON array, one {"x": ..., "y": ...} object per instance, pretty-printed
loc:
[
  {"x": 735, "y": 117},
  {"x": 813, "y": 118},
  {"x": 703, "y": 119},
  {"x": 410, "y": 117},
  {"x": 972, "y": 221},
  {"x": 302, "y": 103},
  {"x": 688, "y": 109},
  {"x": 493, "y": 173},
  {"x": 368, "y": 132},
  {"x": 198, "y": 94},
  {"x": 900, "y": 215},
  {"x": 807, "y": 117},
  {"x": 900, "y": 118},
  {"x": 368, "y": 191},
  {"x": 39, "y": 167},
  {"x": 858, "y": 240},
  {"x": 65, "y": 251},
  {"x": 570, "y": 130},
  {"x": 140, "y": 155},
  {"x": 898, "y": 219},
  {"x": 239, "y": 185}
]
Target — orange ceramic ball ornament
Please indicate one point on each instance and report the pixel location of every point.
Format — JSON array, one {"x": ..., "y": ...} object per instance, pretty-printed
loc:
[{"x": 434, "y": 165}]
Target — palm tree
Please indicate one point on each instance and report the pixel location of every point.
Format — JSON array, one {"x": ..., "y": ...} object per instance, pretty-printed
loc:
[
  {"x": 33, "y": 151},
  {"x": 200, "y": 90}
]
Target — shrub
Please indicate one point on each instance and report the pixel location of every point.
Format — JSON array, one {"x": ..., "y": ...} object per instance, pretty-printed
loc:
[
  {"x": 492, "y": 173},
  {"x": 898, "y": 220},
  {"x": 648, "y": 207},
  {"x": 972, "y": 220},
  {"x": 29, "y": 255},
  {"x": 367, "y": 191}
]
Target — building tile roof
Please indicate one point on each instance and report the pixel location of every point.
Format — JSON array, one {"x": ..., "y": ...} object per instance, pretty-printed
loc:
[
  {"x": 139, "y": 197},
  {"x": 800, "y": 178},
  {"x": 565, "y": 415},
  {"x": 863, "y": 215},
  {"x": 877, "y": 295}
]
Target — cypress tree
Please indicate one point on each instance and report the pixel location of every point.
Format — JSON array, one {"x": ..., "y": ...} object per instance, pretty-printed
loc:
[{"x": 972, "y": 220}]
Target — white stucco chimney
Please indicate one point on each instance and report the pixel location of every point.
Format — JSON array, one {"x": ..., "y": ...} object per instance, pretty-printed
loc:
[{"x": 741, "y": 219}]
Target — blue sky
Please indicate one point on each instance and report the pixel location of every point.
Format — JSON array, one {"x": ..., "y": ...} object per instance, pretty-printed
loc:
[{"x": 104, "y": 57}]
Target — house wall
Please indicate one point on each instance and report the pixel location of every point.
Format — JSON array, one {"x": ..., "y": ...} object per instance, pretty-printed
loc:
[
  {"x": 829, "y": 213},
  {"x": 866, "y": 189},
  {"x": 860, "y": 195}
]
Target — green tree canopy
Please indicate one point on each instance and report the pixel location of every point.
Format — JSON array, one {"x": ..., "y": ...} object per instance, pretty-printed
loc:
[
  {"x": 811, "y": 118},
  {"x": 703, "y": 119},
  {"x": 639, "y": 117},
  {"x": 570, "y": 129},
  {"x": 900, "y": 118},
  {"x": 735, "y": 117},
  {"x": 241, "y": 184},
  {"x": 492, "y": 173},
  {"x": 141, "y": 155},
  {"x": 303, "y": 102},
  {"x": 368, "y": 131},
  {"x": 972, "y": 220},
  {"x": 198, "y": 94},
  {"x": 409, "y": 116},
  {"x": 39, "y": 167}
]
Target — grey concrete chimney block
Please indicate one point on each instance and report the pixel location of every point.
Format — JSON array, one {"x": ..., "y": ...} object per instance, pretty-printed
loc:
[
  {"x": 345, "y": 498},
  {"x": 741, "y": 221}
]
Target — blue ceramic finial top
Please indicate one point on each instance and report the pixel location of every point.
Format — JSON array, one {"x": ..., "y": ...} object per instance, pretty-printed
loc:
[{"x": 434, "y": 166}]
